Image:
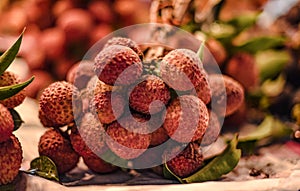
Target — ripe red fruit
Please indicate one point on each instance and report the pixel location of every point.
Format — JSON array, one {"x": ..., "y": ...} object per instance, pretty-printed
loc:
[
  {"x": 143, "y": 96},
  {"x": 10, "y": 159},
  {"x": 97, "y": 164},
  {"x": 130, "y": 139},
  {"x": 186, "y": 162},
  {"x": 186, "y": 119},
  {"x": 7, "y": 79},
  {"x": 115, "y": 60},
  {"x": 6, "y": 123},
  {"x": 59, "y": 149}
]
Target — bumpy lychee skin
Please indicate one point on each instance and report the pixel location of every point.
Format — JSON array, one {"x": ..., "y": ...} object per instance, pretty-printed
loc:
[
  {"x": 213, "y": 130},
  {"x": 98, "y": 165},
  {"x": 108, "y": 106},
  {"x": 89, "y": 136},
  {"x": 159, "y": 136},
  {"x": 128, "y": 141},
  {"x": 7, "y": 79},
  {"x": 115, "y": 60},
  {"x": 125, "y": 42},
  {"x": 56, "y": 103},
  {"x": 53, "y": 145},
  {"x": 234, "y": 93},
  {"x": 187, "y": 161},
  {"x": 10, "y": 159},
  {"x": 146, "y": 92},
  {"x": 186, "y": 119},
  {"x": 6, "y": 123},
  {"x": 182, "y": 70}
]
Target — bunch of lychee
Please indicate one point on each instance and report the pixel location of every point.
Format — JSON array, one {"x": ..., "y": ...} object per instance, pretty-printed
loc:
[
  {"x": 128, "y": 110},
  {"x": 10, "y": 147}
]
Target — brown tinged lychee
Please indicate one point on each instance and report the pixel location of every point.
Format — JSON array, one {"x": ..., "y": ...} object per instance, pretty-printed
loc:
[
  {"x": 8, "y": 79},
  {"x": 6, "y": 123},
  {"x": 59, "y": 102},
  {"x": 98, "y": 165},
  {"x": 89, "y": 136},
  {"x": 187, "y": 162},
  {"x": 159, "y": 136},
  {"x": 213, "y": 130},
  {"x": 182, "y": 70},
  {"x": 109, "y": 106},
  {"x": 10, "y": 159},
  {"x": 130, "y": 139},
  {"x": 125, "y": 42},
  {"x": 243, "y": 69},
  {"x": 142, "y": 96},
  {"x": 118, "y": 65},
  {"x": 186, "y": 119},
  {"x": 59, "y": 149},
  {"x": 80, "y": 74},
  {"x": 226, "y": 92}
]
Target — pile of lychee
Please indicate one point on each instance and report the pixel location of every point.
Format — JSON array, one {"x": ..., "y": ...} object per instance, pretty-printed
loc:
[
  {"x": 10, "y": 147},
  {"x": 115, "y": 104}
]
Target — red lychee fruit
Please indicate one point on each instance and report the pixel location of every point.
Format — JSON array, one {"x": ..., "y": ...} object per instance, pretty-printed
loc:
[
  {"x": 128, "y": 138},
  {"x": 109, "y": 106},
  {"x": 159, "y": 136},
  {"x": 213, "y": 130},
  {"x": 59, "y": 149},
  {"x": 7, "y": 79},
  {"x": 125, "y": 42},
  {"x": 59, "y": 101},
  {"x": 6, "y": 123},
  {"x": 226, "y": 89},
  {"x": 76, "y": 23},
  {"x": 186, "y": 162},
  {"x": 186, "y": 119},
  {"x": 243, "y": 69},
  {"x": 10, "y": 159},
  {"x": 118, "y": 65},
  {"x": 143, "y": 96},
  {"x": 89, "y": 136},
  {"x": 97, "y": 164},
  {"x": 182, "y": 70}
]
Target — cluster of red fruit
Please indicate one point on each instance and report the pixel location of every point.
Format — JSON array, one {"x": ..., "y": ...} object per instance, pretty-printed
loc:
[
  {"x": 127, "y": 110},
  {"x": 10, "y": 147}
]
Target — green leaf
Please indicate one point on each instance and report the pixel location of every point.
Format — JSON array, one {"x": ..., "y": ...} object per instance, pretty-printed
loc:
[
  {"x": 44, "y": 167},
  {"x": 200, "y": 51},
  {"x": 271, "y": 62},
  {"x": 219, "y": 165},
  {"x": 296, "y": 113},
  {"x": 8, "y": 91},
  {"x": 221, "y": 31},
  {"x": 9, "y": 55},
  {"x": 260, "y": 43},
  {"x": 244, "y": 21},
  {"x": 269, "y": 128},
  {"x": 17, "y": 119},
  {"x": 272, "y": 88}
]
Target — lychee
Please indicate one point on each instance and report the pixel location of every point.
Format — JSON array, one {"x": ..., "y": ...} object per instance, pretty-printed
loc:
[
  {"x": 127, "y": 138},
  {"x": 89, "y": 136},
  {"x": 55, "y": 146},
  {"x": 7, "y": 79},
  {"x": 182, "y": 70},
  {"x": 58, "y": 101},
  {"x": 10, "y": 159},
  {"x": 143, "y": 96},
  {"x": 186, "y": 119},
  {"x": 108, "y": 106},
  {"x": 226, "y": 89},
  {"x": 186, "y": 162},
  {"x": 125, "y": 42},
  {"x": 6, "y": 123},
  {"x": 118, "y": 65},
  {"x": 80, "y": 74},
  {"x": 213, "y": 130},
  {"x": 98, "y": 165},
  {"x": 159, "y": 136}
]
